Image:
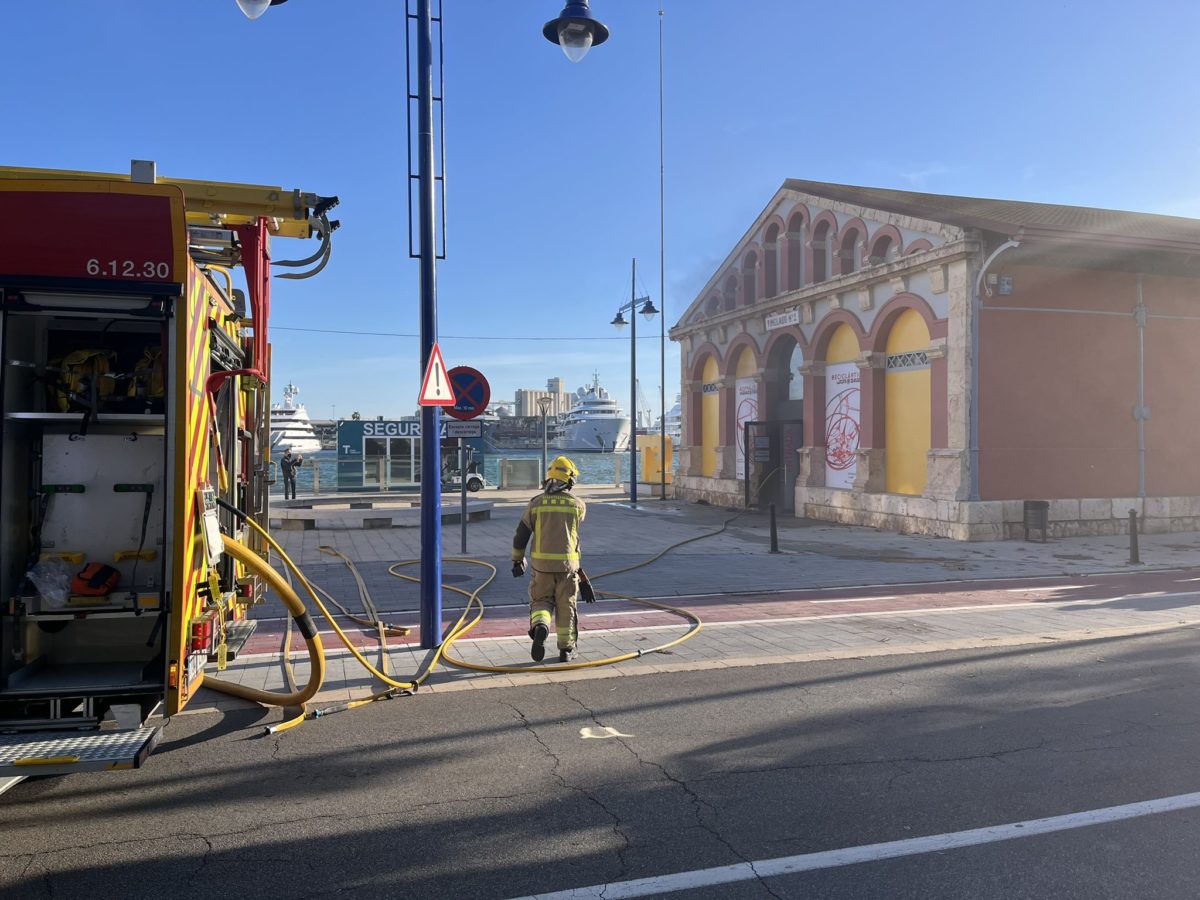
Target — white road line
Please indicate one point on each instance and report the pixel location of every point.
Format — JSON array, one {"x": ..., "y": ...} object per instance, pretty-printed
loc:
[
  {"x": 853, "y": 599},
  {"x": 6, "y": 783},
  {"x": 976, "y": 608},
  {"x": 780, "y": 620},
  {"x": 848, "y": 856},
  {"x": 1047, "y": 587}
]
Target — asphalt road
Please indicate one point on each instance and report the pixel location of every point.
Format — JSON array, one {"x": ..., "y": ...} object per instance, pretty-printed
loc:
[{"x": 506, "y": 792}]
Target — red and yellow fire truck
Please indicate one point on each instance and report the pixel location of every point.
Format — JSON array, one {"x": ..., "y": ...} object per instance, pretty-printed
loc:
[{"x": 134, "y": 421}]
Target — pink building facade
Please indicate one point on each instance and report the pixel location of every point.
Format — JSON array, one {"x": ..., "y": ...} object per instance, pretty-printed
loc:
[{"x": 927, "y": 363}]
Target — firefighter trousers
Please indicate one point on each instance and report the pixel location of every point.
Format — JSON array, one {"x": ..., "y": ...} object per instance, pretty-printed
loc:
[{"x": 554, "y": 594}]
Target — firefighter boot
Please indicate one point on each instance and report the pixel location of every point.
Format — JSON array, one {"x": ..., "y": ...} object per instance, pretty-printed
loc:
[
  {"x": 539, "y": 633},
  {"x": 564, "y": 655}
]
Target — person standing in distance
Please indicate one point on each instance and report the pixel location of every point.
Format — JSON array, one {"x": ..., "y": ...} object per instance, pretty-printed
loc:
[
  {"x": 289, "y": 464},
  {"x": 552, "y": 521}
]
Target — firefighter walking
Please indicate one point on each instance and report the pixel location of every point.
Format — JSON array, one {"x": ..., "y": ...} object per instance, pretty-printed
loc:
[{"x": 552, "y": 520}]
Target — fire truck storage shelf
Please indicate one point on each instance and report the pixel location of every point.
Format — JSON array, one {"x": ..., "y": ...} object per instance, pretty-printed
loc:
[
  {"x": 136, "y": 419},
  {"x": 148, "y": 604}
]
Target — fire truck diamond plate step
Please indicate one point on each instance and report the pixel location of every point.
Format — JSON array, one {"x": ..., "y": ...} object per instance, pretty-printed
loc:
[{"x": 61, "y": 753}]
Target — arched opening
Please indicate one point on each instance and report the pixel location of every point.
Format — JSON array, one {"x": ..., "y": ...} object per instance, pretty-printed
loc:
[
  {"x": 710, "y": 417},
  {"x": 712, "y": 306},
  {"x": 749, "y": 279},
  {"x": 882, "y": 250},
  {"x": 731, "y": 292},
  {"x": 795, "y": 378},
  {"x": 795, "y": 252},
  {"x": 771, "y": 262},
  {"x": 907, "y": 410},
  {"x": 848, "y": 252},
  {"x": 820, "y": 252},
  {"x": 785, "y": 396},
  {"x": 842, "y": 409}
]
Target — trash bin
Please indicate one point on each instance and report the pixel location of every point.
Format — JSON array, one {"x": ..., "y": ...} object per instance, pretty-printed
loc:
[{"x": 1037, "y": 515}]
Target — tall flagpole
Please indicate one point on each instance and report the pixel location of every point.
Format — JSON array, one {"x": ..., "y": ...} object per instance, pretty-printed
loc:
[{"x": 662, "y": 278}]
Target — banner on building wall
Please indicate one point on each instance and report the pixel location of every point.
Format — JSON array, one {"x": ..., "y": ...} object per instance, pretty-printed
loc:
[
  {"x": 841, "y": 424},
  {"x": 745, "y": 399}
]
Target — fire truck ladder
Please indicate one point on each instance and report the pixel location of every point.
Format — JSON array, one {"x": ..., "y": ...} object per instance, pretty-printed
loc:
[{"x": 215, "y": 207}]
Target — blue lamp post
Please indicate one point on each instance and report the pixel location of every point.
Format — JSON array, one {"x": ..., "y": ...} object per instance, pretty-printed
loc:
[
  {"x": 576, "y": 31},
  {"x": 647, "y": 309}
]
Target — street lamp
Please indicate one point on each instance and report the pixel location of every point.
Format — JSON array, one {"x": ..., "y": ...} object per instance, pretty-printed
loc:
[
  {"x": 647, "y": 310},
  {"x": 544, "y": 405},
  {"x": 575, "y": 30}
]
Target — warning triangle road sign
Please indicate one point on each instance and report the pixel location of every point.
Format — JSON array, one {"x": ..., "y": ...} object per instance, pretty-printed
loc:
[{"x": 436, "y": 389}]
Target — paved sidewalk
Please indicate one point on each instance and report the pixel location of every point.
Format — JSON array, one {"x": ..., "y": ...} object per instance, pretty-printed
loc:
[
  {"x": 736, "y": 560},
  {"x": 759, "y": 608}
]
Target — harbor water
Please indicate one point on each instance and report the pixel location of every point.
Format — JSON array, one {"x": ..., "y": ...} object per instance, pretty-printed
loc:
[{"x": 594, "y": 468}]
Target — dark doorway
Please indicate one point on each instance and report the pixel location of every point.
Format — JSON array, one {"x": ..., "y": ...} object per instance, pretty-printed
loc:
[{"x": 772, "y": 463}]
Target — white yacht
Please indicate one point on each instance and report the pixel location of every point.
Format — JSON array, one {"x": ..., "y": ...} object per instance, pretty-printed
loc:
[
  {"x": 290, "y": 426},
  {"x": 673, "y": 423},
  {"x": 595, "y": 423}
]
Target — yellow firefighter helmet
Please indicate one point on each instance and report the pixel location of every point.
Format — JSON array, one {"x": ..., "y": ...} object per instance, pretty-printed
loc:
[{"x": 562, "y": 469}]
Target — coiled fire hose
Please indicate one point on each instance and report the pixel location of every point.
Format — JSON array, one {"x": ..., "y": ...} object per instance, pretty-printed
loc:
[
  {"x": 304, "y": 622},
  {"x": 470, "y": 617}
]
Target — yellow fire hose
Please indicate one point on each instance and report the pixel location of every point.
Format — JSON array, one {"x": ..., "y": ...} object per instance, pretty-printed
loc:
[
  {"x": 460, "y": 628},
  {"x": 308, "y": 628}
]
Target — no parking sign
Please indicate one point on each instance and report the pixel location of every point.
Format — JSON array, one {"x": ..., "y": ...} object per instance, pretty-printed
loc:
[{"x": 471, "y": 392}]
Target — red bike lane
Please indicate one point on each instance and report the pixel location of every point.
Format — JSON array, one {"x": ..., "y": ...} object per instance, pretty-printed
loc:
[{"x": 749, "y": 607}]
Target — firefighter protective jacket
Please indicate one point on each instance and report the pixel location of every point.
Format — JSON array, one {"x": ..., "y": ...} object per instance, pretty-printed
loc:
[{"x": 552, "y": 520}]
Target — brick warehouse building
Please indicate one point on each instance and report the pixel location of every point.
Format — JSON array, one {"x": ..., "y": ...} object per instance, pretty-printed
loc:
[{"x": 925, "y": 363}]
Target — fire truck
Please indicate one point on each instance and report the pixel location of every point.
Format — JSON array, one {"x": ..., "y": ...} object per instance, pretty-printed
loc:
[{"x": 134, "y": 441}]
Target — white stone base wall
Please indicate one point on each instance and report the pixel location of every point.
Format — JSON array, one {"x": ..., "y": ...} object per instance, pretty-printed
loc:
[
  {"x": 717, "y": 491},
  {"x": 995, "y": 520}
]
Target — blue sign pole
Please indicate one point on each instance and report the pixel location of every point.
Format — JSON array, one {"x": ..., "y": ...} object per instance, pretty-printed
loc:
[
  {"x": 633, "y": 407},
  {"x": 431, "y": 465}
]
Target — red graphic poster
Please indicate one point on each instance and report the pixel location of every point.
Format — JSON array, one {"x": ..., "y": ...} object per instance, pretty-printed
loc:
[
  {"x": 841, "y": 424},
  {"x": 746, "y": 410}
]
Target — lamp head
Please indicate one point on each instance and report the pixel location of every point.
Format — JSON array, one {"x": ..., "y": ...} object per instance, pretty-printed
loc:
[
  {"x": 619, "y": 321},
  {"x": 575, "y": 30},
  {"x": 255, "y": 8}
]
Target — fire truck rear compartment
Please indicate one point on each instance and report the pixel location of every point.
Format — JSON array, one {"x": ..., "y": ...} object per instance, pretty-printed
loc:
[{"x": 81, "y": 481}]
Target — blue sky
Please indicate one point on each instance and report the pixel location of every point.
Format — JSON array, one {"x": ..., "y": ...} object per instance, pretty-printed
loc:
[{"x": 553, "y": 167}]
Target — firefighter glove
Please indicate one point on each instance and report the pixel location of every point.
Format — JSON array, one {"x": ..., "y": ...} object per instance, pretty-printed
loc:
[
  {"x": 585, "y": 591},
  {"x": 518, "y": 568}
]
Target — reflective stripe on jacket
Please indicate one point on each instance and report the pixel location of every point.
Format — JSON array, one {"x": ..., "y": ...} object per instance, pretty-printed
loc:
[{"x": 552, "y": 521}]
